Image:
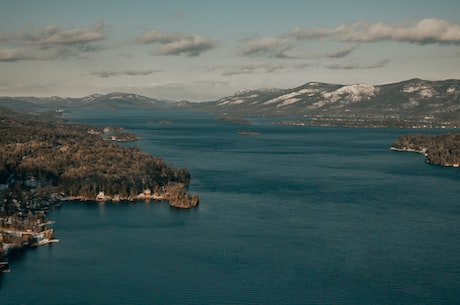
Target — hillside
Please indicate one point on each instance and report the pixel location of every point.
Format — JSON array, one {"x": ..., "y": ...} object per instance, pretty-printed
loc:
[
  {"x": 412, "y": 103},
  {"x": 111, "y": 101},
  {"x": 430, "y": 103}
]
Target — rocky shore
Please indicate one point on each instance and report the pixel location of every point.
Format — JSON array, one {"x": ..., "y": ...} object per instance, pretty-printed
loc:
[
  {"x": 371, "y": 122},
  {"x": 23, "y": 230},
  {"x": 441, "y": 149},
  {"x": 175, "y": 194}
]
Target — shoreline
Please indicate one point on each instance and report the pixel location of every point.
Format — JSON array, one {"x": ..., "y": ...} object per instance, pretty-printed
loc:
[
  {"x": 426, "y": 156},
  {"x": 409, "y": 150}
]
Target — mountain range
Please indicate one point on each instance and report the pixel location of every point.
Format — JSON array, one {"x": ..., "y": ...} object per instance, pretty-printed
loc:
[
  {"x": 411, "y": 99},
  {"x": 111, "y": 101}
]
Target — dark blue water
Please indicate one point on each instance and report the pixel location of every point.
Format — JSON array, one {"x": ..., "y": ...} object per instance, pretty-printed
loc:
[{"x": 296, "y": 215}]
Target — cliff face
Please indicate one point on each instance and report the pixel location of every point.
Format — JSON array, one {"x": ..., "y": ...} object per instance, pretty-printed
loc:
[{"x": 443, "y": 149}]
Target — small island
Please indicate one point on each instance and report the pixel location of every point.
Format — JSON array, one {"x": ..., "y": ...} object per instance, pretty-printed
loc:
[
  {"x": 165, "y": 122},
  {"x": 248, "y": 133},
  {"x": 235, "y": 120},
  {"x": 440, "y": 149}
]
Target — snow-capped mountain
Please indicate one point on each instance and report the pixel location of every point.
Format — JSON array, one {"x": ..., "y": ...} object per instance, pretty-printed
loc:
[{"x": 414, "y": 97}]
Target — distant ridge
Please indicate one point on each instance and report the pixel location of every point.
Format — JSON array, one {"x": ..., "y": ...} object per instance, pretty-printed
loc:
[
  {"x": 410, "y": 99},
  {"x": 111, "y": 101},
  {"x": 413, "y": 97}
]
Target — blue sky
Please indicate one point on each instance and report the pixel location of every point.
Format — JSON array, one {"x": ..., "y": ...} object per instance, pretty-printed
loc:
[{"x": 203, "y": 50}]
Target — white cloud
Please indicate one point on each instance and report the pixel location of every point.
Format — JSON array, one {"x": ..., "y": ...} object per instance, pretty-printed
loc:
[
  {"x": 272, "y": 46},
  {"x": 107, "y": 74},
  {"x": 358, "y": 66},
  {"x": 54, "y": 35},
  {"x": 424, "y": 31},
  {"x": 342, "y": 52},
  {"x": 14, "y": 55},
  {"x": 184, "y": 90},
  {"x": 253, "y": 68},
  {"x": 51, "y": 42},
  {"x": 177, "y": 43}
]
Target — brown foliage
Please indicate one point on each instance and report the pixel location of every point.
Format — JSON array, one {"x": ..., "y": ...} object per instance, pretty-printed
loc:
[
  {"x": 441, "y": 149},
  {"x": 38, "y": 158}
]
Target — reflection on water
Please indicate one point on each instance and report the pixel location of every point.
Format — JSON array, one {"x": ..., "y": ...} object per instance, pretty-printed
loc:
[{"x": 292, "y": 216}]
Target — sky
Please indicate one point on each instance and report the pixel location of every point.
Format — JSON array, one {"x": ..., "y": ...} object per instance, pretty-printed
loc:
[{"x": 207, "y": 49}]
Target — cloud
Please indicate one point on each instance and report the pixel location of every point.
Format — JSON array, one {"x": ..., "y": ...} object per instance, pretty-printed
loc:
[
  {"x": 301, "y": 34},
  {"x": 177, "y": 43},
  {"x": 51, "y": 42},
  {"x": 199, "y": 90},
  {"x": 253, "y": 68},
  {"x": 54, "y": 35},
  {"x": 107, "y": 74},
  {"x": 356, "y": 66},
  {"x": 14, "y": 55},
  {"x": 271, "y": 46},
  {"x": 141, "y": 72},
  {"x": 342, "y": 52},
  {"x": 424, "y": 31}
]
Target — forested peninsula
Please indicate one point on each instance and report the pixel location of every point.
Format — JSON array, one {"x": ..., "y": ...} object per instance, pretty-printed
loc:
[
  {"x": 441, "y": 149},
  {"x": 44, "y": 161},
  {"x": 41, "y": 161}
]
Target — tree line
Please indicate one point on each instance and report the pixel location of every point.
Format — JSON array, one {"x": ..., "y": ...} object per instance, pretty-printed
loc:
[
  {"x": 440, "y": 149},
  {"x": 40, "y": 161}
]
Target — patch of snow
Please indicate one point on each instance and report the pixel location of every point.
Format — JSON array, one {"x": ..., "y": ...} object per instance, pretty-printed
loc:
[
  {"x": 411, "y": 103},
  {"x": 224, "y": 101},
  {"x": 289, "y": 102},
  {"x": 351, "y": 93},
  {"x": 319, "y": 104},
  {"x": 289, "y": 96},
  {"x": 237, "y": 101},
  {"x": 422, "y": 90},
  {"x": 426, "y": 92},
  {"x": 451, "y": 90},
  {"x": 116, "y": 97},
  {"x": 92, "y": 97},
  {"x": 231, "y": 101},
  {"x": 242, "y": 92}
]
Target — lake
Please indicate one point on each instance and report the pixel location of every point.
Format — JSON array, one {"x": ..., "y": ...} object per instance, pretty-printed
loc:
[{"x": 295, "y": 215}]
